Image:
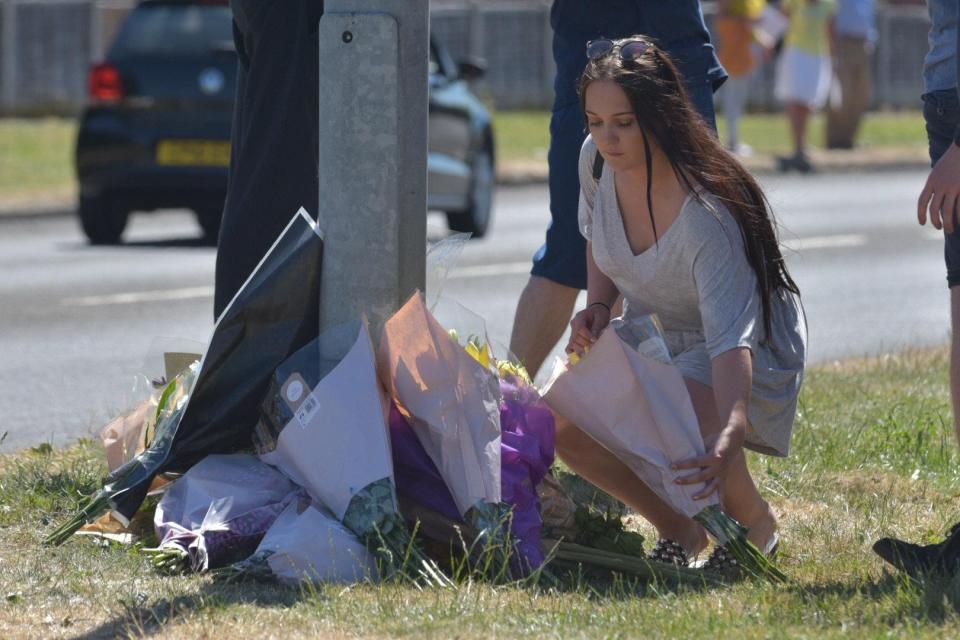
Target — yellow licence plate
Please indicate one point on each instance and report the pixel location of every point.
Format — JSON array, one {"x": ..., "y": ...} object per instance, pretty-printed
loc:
[{"x": 197, "y": 153}]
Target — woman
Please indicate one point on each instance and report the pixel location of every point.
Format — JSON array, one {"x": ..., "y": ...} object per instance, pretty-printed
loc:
[
  {"x": 740, "y": 53},
  {"x": 804, "y": 72},
  {"x": 678, "y": 227}
]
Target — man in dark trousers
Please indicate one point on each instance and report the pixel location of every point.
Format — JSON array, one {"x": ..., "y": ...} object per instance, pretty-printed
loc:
[
  {"x": 274, "y": 154},
  {"x": 559, "y": 267},
  {"x": 940, "y": 203}
]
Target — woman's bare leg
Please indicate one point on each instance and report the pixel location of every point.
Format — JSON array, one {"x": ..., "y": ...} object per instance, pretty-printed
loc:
[
  {"x": 798, "y": 113},
  {"x": 600, "y": 467},
  {"x": 738, "y": 494}
]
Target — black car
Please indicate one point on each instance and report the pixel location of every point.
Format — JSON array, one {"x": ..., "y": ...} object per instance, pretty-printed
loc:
[{"x": 156, "y": 133}]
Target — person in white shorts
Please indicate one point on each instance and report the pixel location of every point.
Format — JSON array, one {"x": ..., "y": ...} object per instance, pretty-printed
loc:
[{"x": 804, "y": 73}]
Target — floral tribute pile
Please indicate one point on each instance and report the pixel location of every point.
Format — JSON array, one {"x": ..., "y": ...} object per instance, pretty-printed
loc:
[{"x": 288, "y": 454}]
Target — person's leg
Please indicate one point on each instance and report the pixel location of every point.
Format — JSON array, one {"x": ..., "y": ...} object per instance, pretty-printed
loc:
[
  {"x": 838, "y": 115},
  {"x": 941, "y": 112},
  {"x": 597, "y": 465},
  {"x": 798, "y": 113},
  {"x": 854, "y": 76},
  {"x": 560, "y": 266},
  {"x": 735, "y": 92},
  {"x": 955, "y": 356},
  {"x": 861, "y": 83},
  {"x": 739, "y": 494},
  {"x": 543, "y": 314}
]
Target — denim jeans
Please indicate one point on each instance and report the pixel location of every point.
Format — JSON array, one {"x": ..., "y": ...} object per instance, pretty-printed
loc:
[{"x": 941, "y": 111}]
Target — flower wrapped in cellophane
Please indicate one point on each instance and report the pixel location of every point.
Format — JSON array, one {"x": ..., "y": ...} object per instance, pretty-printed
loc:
[
  {"x": 453, "y": 403},
  {"x": 336, "y": 445},
  {"x": 308, "y": 543},
  {"x": 217, "y": 512},
  {"x": 211, "y": 407},
  {"x": 633, "y": 401}
]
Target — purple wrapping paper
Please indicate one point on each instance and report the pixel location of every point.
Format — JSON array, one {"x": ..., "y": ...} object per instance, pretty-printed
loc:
[
  {"x": 527, "y": 452},
  {"x": 414, "y": 473},
  {"x": 228, "y": 541}
]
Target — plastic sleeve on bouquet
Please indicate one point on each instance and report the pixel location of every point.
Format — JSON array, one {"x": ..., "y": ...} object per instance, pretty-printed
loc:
[
  {"x": 337, "y": 442},
  {"x": 219, "y": 510},
  {"x": 637, "y": 408},
  {"x": 453, "y": 401},
  {"x": 308, "y": 543},
  {"x": 274, "y": 314}
]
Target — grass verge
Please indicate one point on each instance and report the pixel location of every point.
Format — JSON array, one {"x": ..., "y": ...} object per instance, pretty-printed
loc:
[
  {"x": 873, "y": 453},
  {"x": 525, "y": 135},
  {"x": 36, "y": 155}
]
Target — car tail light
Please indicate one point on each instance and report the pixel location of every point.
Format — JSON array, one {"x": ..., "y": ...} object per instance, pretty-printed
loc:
[{"x": 105, "y": 83}]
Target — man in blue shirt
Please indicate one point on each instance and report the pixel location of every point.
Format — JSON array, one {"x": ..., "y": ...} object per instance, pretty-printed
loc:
[
  {"x": 939, "y": 201},
  {"x": 853, "y": 50},
  {"x": 559, "y": 267}
]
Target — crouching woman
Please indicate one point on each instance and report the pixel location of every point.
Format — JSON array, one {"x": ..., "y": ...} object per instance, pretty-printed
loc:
[{"x": 677, "y": 227}]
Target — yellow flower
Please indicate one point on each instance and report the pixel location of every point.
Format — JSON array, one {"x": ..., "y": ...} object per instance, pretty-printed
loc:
[{"x": 479, "y": 351}]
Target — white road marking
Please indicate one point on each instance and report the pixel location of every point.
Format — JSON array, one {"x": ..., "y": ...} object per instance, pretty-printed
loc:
[
  {"x": 491, "y": 270},
  {"x": 826, "y": 242},
  {"x": 134, "y": 297},
  {"x": 461, "y": 273}
]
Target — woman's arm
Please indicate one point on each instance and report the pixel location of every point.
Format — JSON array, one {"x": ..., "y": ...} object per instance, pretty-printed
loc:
[
  {"x": 600, "y": 288},
  {"x": 732, "y": 381},
  {"x": 602, "y": 293}
]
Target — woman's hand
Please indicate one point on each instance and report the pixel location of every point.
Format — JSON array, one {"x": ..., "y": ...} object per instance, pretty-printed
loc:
[
  {"x": 586, "y": 326},
  {"x": 715, "y": 465}
]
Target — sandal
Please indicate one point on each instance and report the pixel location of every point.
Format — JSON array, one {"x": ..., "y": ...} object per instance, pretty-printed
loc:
[
  {"x": 669, "y": 552},
  {"x": 722, "y": 561}
]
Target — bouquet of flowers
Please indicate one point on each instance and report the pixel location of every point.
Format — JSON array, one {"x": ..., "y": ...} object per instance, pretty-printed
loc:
[
  {"x": 308, "y": 543},
  {"x": 337, "y": 446},
  {"x": 275, "y": 313},
  {"x": 217, "y": 512},
  {"x": 453, "y": 402},
  {"x": 638, "y": 407}
]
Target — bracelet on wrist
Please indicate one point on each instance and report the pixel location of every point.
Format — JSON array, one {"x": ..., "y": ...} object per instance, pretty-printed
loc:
[{"x": 602, "y": 304}]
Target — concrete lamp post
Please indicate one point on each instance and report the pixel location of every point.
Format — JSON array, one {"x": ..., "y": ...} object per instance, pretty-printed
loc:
[{"x": 373, "y": 156}]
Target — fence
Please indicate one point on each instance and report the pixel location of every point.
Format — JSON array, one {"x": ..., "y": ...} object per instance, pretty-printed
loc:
[{"x": 46, "y": 47}]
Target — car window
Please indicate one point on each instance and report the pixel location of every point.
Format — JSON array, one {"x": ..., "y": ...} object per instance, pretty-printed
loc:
[{"x": 175, "y": 29}]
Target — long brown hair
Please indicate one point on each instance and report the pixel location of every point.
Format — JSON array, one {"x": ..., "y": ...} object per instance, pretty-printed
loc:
[{"x": 664, "y": 111}]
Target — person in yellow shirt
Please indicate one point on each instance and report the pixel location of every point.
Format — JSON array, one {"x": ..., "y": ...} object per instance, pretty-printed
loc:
[
  {"x": 740, "y": 53},
  {"x": 803, "y": 71}
]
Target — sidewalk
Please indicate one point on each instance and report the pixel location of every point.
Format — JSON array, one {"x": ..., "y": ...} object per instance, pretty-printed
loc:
[
  {"x": 62, "y": 201},
  {"x": 46, "y": 203}
]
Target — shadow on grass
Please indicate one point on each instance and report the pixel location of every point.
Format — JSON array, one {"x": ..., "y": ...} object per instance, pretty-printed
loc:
[
  {"x": 138, "y": 619},
  {"x": 929, "y": 599}
]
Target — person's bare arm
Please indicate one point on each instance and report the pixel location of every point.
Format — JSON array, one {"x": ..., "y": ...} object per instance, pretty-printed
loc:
[
  {"x": 602, "y": 293},
  {"x": 941, "y": 192},
  {"x": 732, "y": 382}
]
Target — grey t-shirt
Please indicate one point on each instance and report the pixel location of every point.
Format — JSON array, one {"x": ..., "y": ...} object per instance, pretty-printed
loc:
[{"x": 699, "y": 283}]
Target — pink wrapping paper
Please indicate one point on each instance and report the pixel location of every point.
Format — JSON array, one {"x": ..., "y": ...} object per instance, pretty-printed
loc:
[
  {"x": 637, "y": 408},
  {"x": 453, "y": 402}
]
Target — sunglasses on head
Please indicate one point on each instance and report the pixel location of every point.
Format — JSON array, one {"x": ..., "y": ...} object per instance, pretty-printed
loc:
[{"x": 629, "y": 50}]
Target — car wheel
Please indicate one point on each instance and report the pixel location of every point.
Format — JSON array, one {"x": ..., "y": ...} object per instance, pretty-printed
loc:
[
  {"x": 476, "y": 218},
  {"x": 102, "y": 222},
  {"x": 209, "y": 219}
]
